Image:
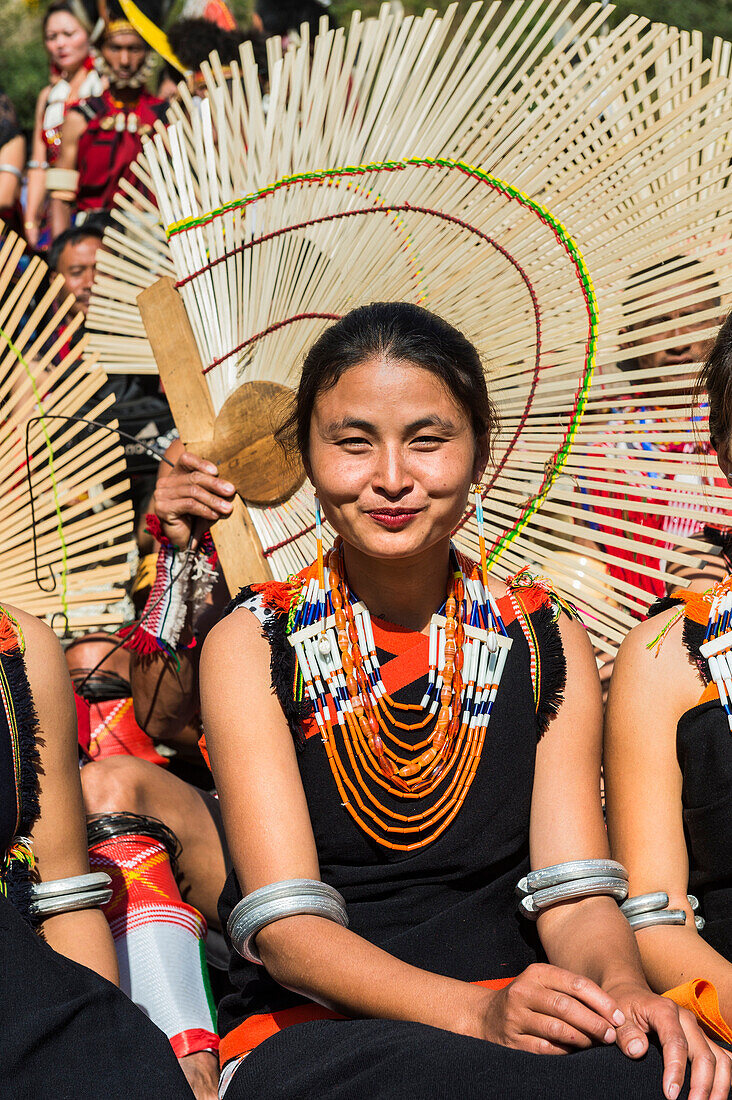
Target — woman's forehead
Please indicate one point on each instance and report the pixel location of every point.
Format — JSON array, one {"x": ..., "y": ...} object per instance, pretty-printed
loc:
[{"x": 388, "y": 387}]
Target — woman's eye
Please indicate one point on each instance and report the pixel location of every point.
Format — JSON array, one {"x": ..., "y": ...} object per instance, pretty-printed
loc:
[
  {"x": 353, "y": 441},
  {"x": 428, "y": 440}
]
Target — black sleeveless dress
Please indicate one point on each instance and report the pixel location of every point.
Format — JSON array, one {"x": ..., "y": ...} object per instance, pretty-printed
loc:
[
  {"x": 704, "y": 751},
  {"x": 66, "y": 1033},
  {"x": 449, "y": 907}
]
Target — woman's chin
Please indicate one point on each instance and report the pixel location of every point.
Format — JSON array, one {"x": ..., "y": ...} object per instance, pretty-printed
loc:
[{"x": 392, "y": 545}]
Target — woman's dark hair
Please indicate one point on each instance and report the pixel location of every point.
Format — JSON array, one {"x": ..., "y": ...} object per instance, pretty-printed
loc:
[
  {"x": 715, "y": 379},
  {"x": 396, "y": 331},
  {"x": 77, "y": 10}
]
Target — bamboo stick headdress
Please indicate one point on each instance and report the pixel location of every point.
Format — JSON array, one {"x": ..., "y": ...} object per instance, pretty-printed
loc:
[
  {"x": 66, "y": 534},
  {"x": 551, "y": 193}
]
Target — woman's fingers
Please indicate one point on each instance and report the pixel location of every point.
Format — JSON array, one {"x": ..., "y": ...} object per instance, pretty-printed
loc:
[
  {"x": 707, "y": 1068},
  {"x": 584, "y": 991},
  {"x": 723, "y": 1074},
  {"x": 559, "y": 1033},
  {"x": 558, "y": 1008}
]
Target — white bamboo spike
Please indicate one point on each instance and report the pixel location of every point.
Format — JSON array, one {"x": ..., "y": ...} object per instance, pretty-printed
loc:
[
  {"x": 623, "y": 135},
  {"x": 83, "y": 523}
]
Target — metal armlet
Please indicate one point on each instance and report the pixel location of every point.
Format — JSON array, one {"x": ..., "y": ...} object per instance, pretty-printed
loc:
[
  {"x": 290, "y": 898},
  {"x": 66, "y": 895},
  {"x": 649, "y": 910},
  {"x": 571, "y": 881}
]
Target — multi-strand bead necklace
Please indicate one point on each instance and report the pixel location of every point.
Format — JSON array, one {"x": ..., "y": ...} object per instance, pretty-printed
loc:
[
  {"x": 717, "y": 646},
  {"x": 359, "y": 720}
]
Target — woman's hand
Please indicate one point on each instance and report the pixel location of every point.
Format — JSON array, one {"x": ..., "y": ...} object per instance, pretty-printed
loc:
[
  {"x": 547, "y": 1010},
  {"x": 682, "y": 1040},
  {"x": 191, "y": 491}
]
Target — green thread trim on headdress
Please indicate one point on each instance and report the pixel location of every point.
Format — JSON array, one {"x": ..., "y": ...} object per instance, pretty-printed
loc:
[
  {"x": 51, "y": 470},
  {"x": 555, "y": 465}
]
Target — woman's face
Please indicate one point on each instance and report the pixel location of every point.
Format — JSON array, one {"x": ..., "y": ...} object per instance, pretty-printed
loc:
[
  {"x": 392, "y": 457},
  {"x": 66, "y": 41}
]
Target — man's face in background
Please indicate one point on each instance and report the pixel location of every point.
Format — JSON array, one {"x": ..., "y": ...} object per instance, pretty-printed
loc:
[{"x": 77, "y": 264}]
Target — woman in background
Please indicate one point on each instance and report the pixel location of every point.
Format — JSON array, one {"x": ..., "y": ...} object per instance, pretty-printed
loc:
[
  {"x": 668, "y": 767},
  {"x": 67, "y": 35}
]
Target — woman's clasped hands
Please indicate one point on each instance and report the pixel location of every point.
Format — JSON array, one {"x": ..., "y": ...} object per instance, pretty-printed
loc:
[{"x": 548, "y": 1010}]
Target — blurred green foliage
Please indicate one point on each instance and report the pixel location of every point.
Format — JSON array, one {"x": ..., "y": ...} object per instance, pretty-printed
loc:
[{"x": 23, "y": 68}]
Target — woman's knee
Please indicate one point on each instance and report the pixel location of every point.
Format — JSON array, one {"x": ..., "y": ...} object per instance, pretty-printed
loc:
[{"x": 117, "y": 785}]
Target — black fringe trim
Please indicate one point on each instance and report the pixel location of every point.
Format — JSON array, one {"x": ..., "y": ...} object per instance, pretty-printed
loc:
[
  {"x": 664, "y": 604},
  {"x": 19, "y": 877},
  {"x": 282, "y": 665},
  {"x": 28, "y": 737},
  {"x": 693, "y": 636},
  {"x": 101, "y": 827},
  {"x": 553, "y": 678}
]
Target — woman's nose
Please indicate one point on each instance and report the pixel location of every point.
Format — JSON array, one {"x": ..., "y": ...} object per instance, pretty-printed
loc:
[{"x": 392, "y": 475}]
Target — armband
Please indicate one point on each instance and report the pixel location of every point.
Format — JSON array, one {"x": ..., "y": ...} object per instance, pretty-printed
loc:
[
  {"x": 11, "y": 170},
  {"x": 579, "y": 878},
  {"x": 37, "y": 164},
  {"x": 183, "y": 580},
  {"x": 290, "y": 898},
  {"x": 66, "y": 895},
  {"x": 649, "y": 910},
  {"x": 62, "y": 183}
]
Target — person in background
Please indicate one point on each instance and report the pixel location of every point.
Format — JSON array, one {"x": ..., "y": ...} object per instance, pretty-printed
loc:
[
  {"x": 102, "y": 135},
  {"x": 668, "y": 768},
  {"x": 68, "y": 29},
  {"x": 285, "y": 17},
  {"x": 141, "y": 411},
  {"x": 164, "y": 677},
  {"x": 12, "y": 159},
  {"x": 192, "y": 40},
  {"x": 61, "y": 1007}
]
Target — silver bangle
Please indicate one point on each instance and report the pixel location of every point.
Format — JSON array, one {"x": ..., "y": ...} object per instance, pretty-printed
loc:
[
  {"x": 650, "y": 910},
  {"x": 568, "y": 872},
  {"x": 570, "y": 881},
  {"x": 293, "y": 897},
  {"x": 65, "y": 895},
  {"x": 37, "y": 164},
  {"x": 13, "y": 171}
]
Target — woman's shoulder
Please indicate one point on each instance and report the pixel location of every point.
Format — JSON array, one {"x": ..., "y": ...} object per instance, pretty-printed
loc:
[
  {"x": 19, "y": 631},
  {"x": 660, "y": 656}
]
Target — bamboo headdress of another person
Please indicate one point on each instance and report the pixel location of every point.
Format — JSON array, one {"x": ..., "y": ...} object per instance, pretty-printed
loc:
[
  {"x": 343, "y": 158},
  {"x": 67, "y": 525}
]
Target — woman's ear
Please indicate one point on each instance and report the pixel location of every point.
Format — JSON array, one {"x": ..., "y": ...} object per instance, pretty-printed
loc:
[
  {"x": 725, "y": 462},
  {"x": 482, "y": 456}
]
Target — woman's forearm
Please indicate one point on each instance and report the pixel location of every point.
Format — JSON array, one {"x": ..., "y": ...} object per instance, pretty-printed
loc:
[
  {"x": 592, "y": 937},
  {"x": 84, "y": 937},
  {"x": 340, "y": 970},
  {"x": 673, "y": 955}
]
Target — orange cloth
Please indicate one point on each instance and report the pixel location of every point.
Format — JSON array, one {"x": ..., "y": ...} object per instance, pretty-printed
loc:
[
  {"x": 255, "y": 1029},
  {"x": 700, "y": 996}
]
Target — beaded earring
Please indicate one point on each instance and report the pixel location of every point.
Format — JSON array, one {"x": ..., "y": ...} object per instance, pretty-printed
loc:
[
  {"x": 477, "y": 491},
  {"x": 717, "y": 647},
  {"x": 322, "y": 601}
]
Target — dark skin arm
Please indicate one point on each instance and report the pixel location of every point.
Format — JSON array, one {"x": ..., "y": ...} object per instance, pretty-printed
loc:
[{"x": 165, "y": 690}]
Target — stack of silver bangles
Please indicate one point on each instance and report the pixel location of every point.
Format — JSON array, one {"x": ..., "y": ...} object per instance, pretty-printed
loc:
[
  {"x": 579, "y": 878},
  {"x": 291, "y": 898},
  {"x": 65, "y": 895},
  {"x": 648, "y": 910}
]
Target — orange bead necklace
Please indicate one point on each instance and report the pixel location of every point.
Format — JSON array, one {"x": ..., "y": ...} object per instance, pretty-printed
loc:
[{"x": 372, "y": 766}]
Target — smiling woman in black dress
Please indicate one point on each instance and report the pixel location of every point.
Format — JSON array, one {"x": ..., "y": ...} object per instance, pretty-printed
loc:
[{"x": 414, "y": 821}]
